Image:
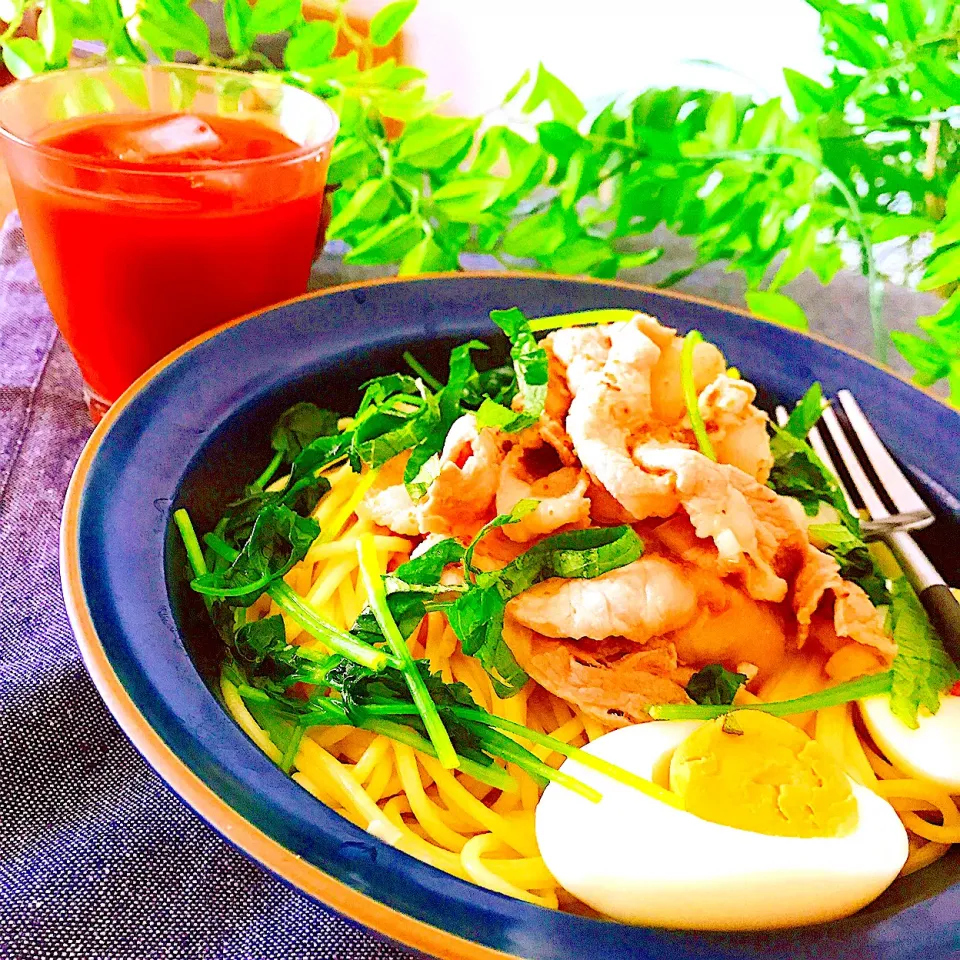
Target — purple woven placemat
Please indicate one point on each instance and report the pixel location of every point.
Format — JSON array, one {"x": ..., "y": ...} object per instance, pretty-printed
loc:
[{"x": 98, "y": 859}]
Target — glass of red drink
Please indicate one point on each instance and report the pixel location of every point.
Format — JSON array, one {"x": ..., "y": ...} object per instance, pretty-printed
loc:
[{"x": 161, "y": 201}]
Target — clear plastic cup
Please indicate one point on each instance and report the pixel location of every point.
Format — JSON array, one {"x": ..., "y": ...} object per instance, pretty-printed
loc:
[{"x": 143, "y": 249}]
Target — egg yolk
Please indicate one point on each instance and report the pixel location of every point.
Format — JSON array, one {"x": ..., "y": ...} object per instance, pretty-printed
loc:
[{"x": 756, "y": 772}]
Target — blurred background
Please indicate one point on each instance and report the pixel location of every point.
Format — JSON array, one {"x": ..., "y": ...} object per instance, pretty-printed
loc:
[{"x": 605, "y": 47}]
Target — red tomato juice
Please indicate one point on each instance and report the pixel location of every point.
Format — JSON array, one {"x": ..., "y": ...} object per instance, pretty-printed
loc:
[{"x": 148, "y": 229}]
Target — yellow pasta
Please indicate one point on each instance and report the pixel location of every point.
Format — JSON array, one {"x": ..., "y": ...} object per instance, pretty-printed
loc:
[{"x": 470, "y": 829}]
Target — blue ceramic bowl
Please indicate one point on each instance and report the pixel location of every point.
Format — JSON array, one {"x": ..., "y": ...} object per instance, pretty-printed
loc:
[{"x": 194, "y": 429}]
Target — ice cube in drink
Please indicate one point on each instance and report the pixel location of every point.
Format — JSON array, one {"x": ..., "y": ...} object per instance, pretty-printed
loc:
[{"x": 182, "y": 137}]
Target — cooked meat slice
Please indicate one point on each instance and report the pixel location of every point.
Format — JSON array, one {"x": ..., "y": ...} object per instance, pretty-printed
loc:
[
  {"x": 612, "y": 681},
  {"x": 460, "y": 500},
  {"x": 532, "y": 469},
  {"x": 840, "y": 616},
  {"x": 387, "y": 501},
  {"x": 644, "y": 599}
]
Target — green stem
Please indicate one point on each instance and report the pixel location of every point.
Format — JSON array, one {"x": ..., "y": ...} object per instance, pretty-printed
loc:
[
  {"x": 189, "y": 536},
  {"x": 566, "y": 750},
  {"x": 690, "y": 398},
  {"x": 421, "y": 371},
  {"x": 267, "y": 474},
  {"x": 293, "y": 745},
  {"x": 370, "y": 573},
  {"x": 337, "y": 640},
  {"x": 831, "y": 697},
  {"x": 497, "y": 743},
  {"x": 492, "y": 776}
]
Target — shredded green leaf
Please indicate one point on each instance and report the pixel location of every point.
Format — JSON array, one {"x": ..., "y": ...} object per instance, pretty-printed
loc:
[
  {"x": 532, "y": 371},
  {"x": 476, "y": 616},
  {"x": 690, "y": 399}
]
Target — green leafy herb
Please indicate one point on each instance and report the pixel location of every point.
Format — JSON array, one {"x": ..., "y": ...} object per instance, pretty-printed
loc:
[
  {"x": 807, "y": 412},
  {"x": 797, "y": 470},
  {"x": 370, "y": 574},
  {"x": 531, "y": 369},
  {"x": 476, "y": 616},
  {"x": 345, "y": 644},
  {"x": 714, "y": 684},
  {"x": 854, "y": 557},
  {"x": 280, "y": 538},
  {"x": 299, "y": 426},
  {"x": 418, "y": 473},
  {"x": 921, "y": 670}
]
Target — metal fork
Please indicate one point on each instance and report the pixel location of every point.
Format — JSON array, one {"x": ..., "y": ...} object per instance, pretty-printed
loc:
[{"x": 892, "y": 528}]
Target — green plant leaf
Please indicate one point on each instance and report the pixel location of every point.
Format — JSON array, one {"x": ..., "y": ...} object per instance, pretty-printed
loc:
[
  {"x": 434, "y": 142},
  {"x": 516, "y": 88},
  {"x": 368, "y": 204},
  {"x": 236, "y": 20},
  {"x": 720, "y": 127},
  {"x": 351, "y": 157},
  {"x": 388, "y": 21},
  {"x": 547, "y": 88},
  {"x": 538, "y": 235},
  {"x": 426, "y": 257},
  {"x": 929, "y": 361},
  {"x": 274, "y": 16},
  {"x": 387, "y": 243},
  {"x": 777, "y": 307},
  {"x": 809, "y": 96},
  {"x": 630, "y": 261},
  {"x": 53, "y": 32},
  {"x": 905, "y": 20},
  {"x": 921, "y": 669},
  {"x": 942, "y": 269},
  {"x": 24, "y": 57},
  {"x": 173, "y": 25},
  {"x": 310, "y": 46},
  {"x": 465, "y": 199},
  {"x": 889, "y": 228}
]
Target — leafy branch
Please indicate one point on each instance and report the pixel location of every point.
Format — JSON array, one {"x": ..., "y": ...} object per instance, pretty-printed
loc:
[{"x": 772, "y": 190}]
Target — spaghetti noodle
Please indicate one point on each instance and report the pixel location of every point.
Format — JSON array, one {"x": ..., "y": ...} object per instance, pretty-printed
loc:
[{"x": 470, "y": 829}]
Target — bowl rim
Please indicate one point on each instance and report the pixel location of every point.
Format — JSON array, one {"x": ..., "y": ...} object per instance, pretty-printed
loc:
[{"x": 241, "y": 832}]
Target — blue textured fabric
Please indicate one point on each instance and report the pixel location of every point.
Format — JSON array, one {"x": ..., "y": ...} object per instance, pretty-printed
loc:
[{"x": 98, "y": 859}]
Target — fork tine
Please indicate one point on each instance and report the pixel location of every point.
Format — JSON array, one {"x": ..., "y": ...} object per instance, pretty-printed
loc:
[
  {"x": 820, "y": 449},
  {"x": 875, "y": 506},
  {"x": 891, "y": 476}
]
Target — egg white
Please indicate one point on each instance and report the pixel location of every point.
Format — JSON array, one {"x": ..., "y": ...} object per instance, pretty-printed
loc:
[
  {"x": 931, "y": 752},
  {"x": 641, "y": 861}
]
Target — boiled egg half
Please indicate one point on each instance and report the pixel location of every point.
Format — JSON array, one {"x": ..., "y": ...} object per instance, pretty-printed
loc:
[
  {"x": 762, "y": 829},
  {"x": 931, "y": 751}
]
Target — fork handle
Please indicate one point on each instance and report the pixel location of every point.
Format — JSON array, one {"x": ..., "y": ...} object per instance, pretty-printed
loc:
[{"x": 944, "y": 612}]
